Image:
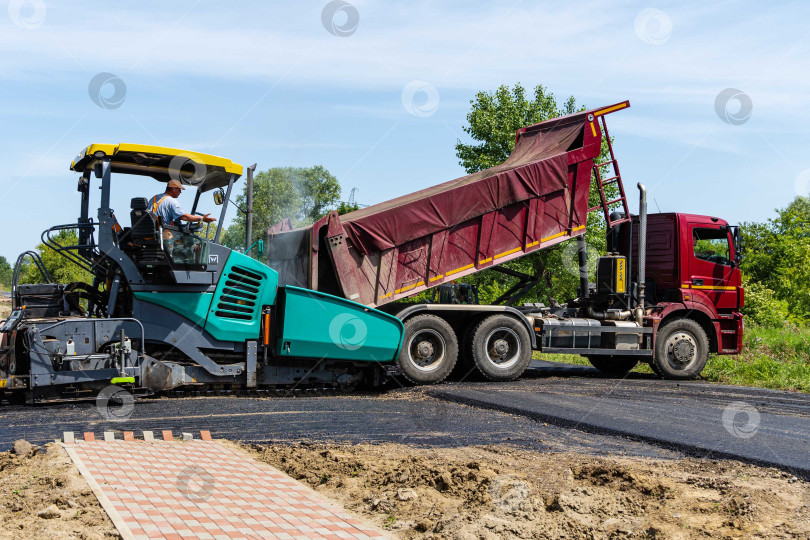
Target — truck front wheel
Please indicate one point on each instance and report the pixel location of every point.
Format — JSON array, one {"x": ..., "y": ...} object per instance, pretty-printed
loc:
[
  {"x": 681, "y": 350},
  {"x": 429, "y": 349},
  {"x": 501, "y": 348}
]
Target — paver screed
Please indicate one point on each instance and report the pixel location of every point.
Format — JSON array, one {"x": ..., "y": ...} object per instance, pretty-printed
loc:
[{"x": 203, "y": 489}]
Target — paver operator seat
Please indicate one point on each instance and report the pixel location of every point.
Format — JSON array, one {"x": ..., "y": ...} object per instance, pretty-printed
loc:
[{"x": 145, "y": 235}]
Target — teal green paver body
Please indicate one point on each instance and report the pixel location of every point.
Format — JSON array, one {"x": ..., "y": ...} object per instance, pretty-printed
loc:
[
  {"x": 319, "y": 325},
  {"x": 313, "y": 324}
]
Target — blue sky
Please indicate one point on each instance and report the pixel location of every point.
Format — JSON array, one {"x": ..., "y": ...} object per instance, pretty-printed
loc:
[{"x": 266, "y": 82}]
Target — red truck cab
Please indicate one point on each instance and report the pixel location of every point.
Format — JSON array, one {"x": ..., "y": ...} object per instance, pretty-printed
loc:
[{"x": 692, "y": 267}]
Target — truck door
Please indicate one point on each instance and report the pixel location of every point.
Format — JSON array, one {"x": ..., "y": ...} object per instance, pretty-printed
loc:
[{"x": 711, "y": 267}]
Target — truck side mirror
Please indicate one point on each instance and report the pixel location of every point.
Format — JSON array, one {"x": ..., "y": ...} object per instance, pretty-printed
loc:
[
  {"x": 219, "y": 197},
  {"x": 737, "y": 236}
]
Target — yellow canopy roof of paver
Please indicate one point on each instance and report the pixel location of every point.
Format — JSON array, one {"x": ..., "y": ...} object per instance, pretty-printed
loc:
[{"x": 202, "y": 171}]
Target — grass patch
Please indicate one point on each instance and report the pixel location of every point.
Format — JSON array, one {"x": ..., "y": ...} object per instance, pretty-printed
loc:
[
  {"x": 575, "y": 359},
  {"x": 776, "y": 358}
]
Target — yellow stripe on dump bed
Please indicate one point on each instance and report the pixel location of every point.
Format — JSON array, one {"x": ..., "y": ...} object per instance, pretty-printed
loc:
[
  {"x": 505, "y": 253},
  {"x": 553, "y": 236},
  {"x": 457, "y": 270},
  {"x": 610, "y": 109},
  {"x": 409, "y": 287}
]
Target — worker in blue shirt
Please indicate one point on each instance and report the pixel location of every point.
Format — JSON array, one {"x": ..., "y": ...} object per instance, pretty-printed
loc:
[{"x": 169, "y": 212}]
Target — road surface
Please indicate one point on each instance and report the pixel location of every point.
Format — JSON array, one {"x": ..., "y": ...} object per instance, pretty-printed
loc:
[
  {"x": 555, "y": 407},
  {"x": 764, "y": 427}
]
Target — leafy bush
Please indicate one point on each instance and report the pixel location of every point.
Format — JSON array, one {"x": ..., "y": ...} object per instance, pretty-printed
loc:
[
  {"x": 775, "y": 255},
  {"x": 763, "y": 307}
]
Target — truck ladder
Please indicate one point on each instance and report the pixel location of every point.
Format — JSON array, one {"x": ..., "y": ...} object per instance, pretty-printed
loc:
[{"x": 615, "y": 179}]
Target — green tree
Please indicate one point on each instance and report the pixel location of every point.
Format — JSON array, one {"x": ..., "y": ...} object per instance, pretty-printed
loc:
[
  {"x": 346, "y": 208},
  {"x": 496, "y": 116},
  {"x": 5, "y": 273},
  {"x": 61, "y": 269},
  {"x": 775, "y": 263},
  {"x": 319, "y": 191},
  {"x": 492, "y": 122},
  {"x": 302, "y": 194}
]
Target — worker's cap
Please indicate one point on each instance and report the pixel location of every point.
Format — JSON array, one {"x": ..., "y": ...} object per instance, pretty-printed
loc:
[{"x": 175, "y": 183}]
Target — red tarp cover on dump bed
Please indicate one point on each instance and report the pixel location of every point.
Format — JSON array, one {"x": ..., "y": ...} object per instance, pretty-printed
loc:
[
  {"x": 535, "y": 199},
  {"x": 537, "y": 166}
]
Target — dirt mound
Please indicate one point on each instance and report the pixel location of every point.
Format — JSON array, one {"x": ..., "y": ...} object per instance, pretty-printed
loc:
[
  {"x": 42, "y": 495},
  {"x": 501, "y": 492},
  {"x": 462, "y": 493}
]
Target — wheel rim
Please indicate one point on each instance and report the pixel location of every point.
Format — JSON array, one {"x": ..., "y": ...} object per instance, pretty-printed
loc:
[
  {"x": 681, "y": 350},
  {"x": 502, "y": 347},
  {"x": 427, "y": 350}
]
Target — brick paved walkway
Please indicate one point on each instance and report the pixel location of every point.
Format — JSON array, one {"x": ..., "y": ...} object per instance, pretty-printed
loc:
[{"x": 203, "y": 489}]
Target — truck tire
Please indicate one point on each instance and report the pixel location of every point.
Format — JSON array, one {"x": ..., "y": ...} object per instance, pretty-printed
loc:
[
  {"x": 501, "y": 348},
  {"x": 614, "y": 366},
  {"x": 681, "y": 350},
  {"x": 429, "y": 350}
]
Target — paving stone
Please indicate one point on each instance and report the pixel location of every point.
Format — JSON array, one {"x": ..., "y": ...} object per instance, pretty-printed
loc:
[{"x": 206, "y": 490}]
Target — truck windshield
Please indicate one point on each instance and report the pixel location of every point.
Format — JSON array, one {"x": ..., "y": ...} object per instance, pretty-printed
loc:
[{"x": 712, "y": 245}]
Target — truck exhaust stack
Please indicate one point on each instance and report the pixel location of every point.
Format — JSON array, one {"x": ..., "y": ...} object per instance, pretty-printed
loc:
[{"x": 642, "y": 250}]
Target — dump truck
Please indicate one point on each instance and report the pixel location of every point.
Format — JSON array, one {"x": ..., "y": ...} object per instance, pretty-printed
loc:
[
  {"x": 679, "y": 302},
  {"x": 165, "y": 307}
]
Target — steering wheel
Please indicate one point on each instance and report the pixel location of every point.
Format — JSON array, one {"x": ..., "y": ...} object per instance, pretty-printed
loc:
[{"x": 196, "y": 227}]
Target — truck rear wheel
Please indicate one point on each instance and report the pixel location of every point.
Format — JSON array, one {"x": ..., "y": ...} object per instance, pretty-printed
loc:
[
  {"x": 501, "y": 348},
  {"x": 615, "y": 366},
  {"x": 681, "y": 350},
  {"x": 429, "y": 349}
]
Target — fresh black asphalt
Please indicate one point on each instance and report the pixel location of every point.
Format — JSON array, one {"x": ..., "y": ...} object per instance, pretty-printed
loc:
[
  {"x": 764, "y": 427},
  {"x": 401, "y": 416},
  {"x": 555, "y": 407}
]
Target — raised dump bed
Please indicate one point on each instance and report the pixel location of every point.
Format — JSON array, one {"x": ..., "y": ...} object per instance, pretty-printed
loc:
[{"x": 538, "y": 197}]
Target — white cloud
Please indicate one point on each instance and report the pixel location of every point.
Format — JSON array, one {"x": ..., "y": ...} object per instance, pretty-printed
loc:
[{"x": 590, "y": 49}]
